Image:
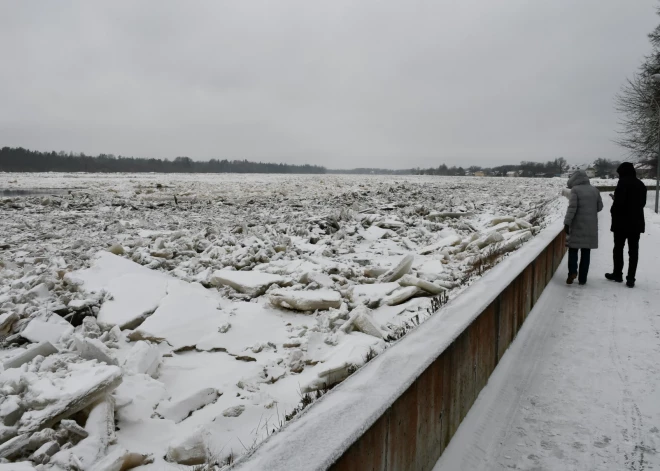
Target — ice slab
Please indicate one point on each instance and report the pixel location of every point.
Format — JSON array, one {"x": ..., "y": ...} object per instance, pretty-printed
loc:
[
  {"x": 62, "y": 394},
  {"x": 184, "y": 316},
  {"x": 136, "y": 291},
  {"x": 252, "y": 283},
  {"x": 312, "y": 300},
  {"x": 48, "y": 328}
]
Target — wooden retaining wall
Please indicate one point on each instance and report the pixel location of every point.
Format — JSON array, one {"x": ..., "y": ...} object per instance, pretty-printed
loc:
[{"x": 417, "y": 427}]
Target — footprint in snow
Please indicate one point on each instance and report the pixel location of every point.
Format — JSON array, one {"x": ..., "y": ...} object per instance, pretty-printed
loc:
[
  {"x": 578, "y": 446},
  {"x": 602, "y": 443}
]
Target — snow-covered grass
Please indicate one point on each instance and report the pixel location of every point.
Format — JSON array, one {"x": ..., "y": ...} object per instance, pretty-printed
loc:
[{"x": 230, "y": 300}]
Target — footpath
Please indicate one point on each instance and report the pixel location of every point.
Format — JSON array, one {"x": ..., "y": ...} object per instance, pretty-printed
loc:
[{"x": 579, "y": 388}]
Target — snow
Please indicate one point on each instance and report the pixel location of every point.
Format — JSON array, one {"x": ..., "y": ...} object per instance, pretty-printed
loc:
[
  {"x": 578, "y": 388},
  {"x": 250, "y": 286}
]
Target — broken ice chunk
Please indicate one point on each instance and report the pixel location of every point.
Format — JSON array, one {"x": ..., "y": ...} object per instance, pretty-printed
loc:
[
  {"x": 399, "y": 270},
  {"x": 446, "y": 242},
  {"x": 43, "y": 349},
  {"x": 135, "y": 297},
  {"x": 135, "y": 290},
  {"x": 401, "y": 295},
  {"x": 321, "y": 299},
  {"x": 73, "y": 428},
  {"x": 374, "y": 272},
  {"x": 351, "y": 352},
  {"x": 143, "y": 358},
  {"x": 447, "y": 214},
  {"x": 321, "y": 279},
  {"x": 84, "y": 384},
  {"x": 492, "y": 238},
  {"x": 251, "y": 283},
  {"x": 14, "y": 446},
  {"x": 523, "y": 224},
  {"x": 116, "y": 249},
  {"x": 48, "y": 328},
  {"x": 183, "y": 317},
  {"x": 11, "y": 410},
  {"x": 180, "y": 409},
  {"x": 409, "y": 280},
  {"x": 375, "y": 233},
  {"x": 7, "y": 321},
  {"x": 93, "y": 349},
  {"x": 500, "y": 219},
  {"x": 43, "y": 454},
  {"x": 38, "y": 292},
  {"x": 365, "y": 323},
  {"x": 189, "y": 449}
]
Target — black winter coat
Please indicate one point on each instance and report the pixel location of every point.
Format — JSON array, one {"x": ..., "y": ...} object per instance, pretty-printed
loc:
[{"x": 629, "y": 201}]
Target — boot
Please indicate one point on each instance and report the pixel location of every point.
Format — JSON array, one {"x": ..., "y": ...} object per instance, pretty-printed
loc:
[
  {"x": 613, "y": 277},
  {"x": 571, "y": 278},
  {"x": 630, "y": 283}
]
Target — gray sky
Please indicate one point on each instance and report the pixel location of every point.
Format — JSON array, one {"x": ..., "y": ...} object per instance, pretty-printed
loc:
[{"x": 342, "y": 83}]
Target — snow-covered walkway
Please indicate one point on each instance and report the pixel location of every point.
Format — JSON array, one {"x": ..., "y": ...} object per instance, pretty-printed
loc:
[{"x": 579, "y": 389}]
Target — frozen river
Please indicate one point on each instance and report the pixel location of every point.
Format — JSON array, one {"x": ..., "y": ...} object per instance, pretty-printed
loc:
[{"x": 204, "y": 308}]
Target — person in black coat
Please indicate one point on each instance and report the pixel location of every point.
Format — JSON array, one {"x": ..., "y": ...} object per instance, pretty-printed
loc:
[{"x": 627, "y": 221}]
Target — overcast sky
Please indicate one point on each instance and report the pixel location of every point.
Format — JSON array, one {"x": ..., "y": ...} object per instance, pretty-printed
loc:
[{"x": 342, "y": 83}]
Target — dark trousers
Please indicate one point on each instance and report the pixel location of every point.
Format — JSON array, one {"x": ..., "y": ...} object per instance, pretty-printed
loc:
[
  {"x": 585, "y": 258},
  {"x": 633, "y": 253}
]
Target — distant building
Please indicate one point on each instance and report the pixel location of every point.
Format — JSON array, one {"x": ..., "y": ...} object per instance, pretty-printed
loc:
[
  {"x": 512, "y": 174},
  {"x": 480, "y": 173}
]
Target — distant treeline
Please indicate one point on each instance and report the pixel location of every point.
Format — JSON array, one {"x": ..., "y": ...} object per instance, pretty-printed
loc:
[
  {"x": 374, "y": 171},
  {"x": 24, "y": 160},
  {"x": 524, "y": 169}
]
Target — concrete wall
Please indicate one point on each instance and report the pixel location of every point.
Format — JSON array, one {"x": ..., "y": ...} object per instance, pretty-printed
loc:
[{"x": 413, "y": 432}]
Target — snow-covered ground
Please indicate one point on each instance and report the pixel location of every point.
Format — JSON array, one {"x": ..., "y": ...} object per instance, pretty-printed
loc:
[
  {"x": 579, "y": 388},
  {"x": 194, "y": 312}
]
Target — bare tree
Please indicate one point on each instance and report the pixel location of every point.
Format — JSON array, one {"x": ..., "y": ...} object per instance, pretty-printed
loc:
[
  {"x": 561, "y": 165},
  {"x": 639, "y": 105}
]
